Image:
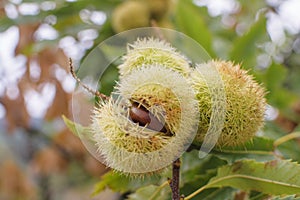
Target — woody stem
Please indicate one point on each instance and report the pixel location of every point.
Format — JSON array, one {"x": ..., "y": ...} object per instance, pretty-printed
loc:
[{"x": 174, "y": 182}]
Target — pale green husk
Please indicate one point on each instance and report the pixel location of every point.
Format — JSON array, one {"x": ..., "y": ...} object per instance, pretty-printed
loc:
[
  {"x": 148, "y": 51},
  {"x": 130, "y": 148},
  {"x": 245, "y": 104}
]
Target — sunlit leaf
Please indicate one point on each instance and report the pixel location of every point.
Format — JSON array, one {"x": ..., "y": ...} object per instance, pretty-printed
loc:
[
  {"x": 256, "y": 144},
  {"x": 275, "y": 177},
  {"x": 76, "y": 128},
  {"x": 114, "y": 181},
  {"x": 260, "y": 149}
]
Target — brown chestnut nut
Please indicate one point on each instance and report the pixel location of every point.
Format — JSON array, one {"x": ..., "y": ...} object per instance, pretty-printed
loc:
[{"x": 139, "y": 114}]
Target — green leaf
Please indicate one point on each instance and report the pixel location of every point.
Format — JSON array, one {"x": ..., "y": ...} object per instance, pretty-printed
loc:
[
  {"x": 122, "y": 183},
  {"x": 254, "y": 195},
  {"x": 225, "y": 193},
  {"x": 277, "y": 177},
  {"x": 290, "y": 149},
  {"x": 6, "y": 23},
  {"x": 260, "y": 149},
  {"x": 150, "y": 192},
  {"x": 274, "y": 78},
  {"x": 290, "y": 197},
  {"x": 287, "y": 138},
  {"x": 256, "y": 144},
  {"x": 275, "y": 75},
  {"x": 114, "y": 181},
  {"x": 190, "y": 21},
  {"x": 193, "y": 168},
  {"x": 293, "y": 81},
  {"x": 77, "y": 129},
  {"x": 197, "y": 172},
  {"x": 143, "y": 193},
  {"x": 109, "y": 79},
  {"x": 245, "y": 47}
]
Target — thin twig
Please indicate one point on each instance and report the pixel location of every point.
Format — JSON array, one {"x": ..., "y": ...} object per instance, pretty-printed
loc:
[
  {"x": 195, "y": 193},
  {"x": 159, "y": 189},
  {"x": 94, "y": 92},
  {"x": 286, "y": 138},
  {"x": 174, "y": 184}
]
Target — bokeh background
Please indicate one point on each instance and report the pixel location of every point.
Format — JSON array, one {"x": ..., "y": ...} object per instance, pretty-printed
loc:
[{"x": 39, "y": 156}]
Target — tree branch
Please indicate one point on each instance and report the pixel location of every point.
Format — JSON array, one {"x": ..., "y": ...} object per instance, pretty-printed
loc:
[
  {"x": 94, "y": 92},
  {"x": 174, "y": 182}
]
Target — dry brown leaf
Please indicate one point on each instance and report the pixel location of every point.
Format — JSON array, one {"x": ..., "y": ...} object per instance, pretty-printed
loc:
[
  {"x": 27, "y": 79},
  {"x": 48, "y": 161},
  {"x": 60, "y": 105},
  {"x": 93, "y": 166},
  {"x": 285, "y": 123},
  {"x": 14, "y": 184},
  {"x": 46, "y": 61},
  {"x": 47, "y": 58},
  {"x": 25, "y": 83},
  {"x": 61, "y": 59},
  {"x": 70, "y": 143},
  {"x": 2, "y": 11},
  {"x": 296, "y": 108},
  {"x": 16, "y": 113}
]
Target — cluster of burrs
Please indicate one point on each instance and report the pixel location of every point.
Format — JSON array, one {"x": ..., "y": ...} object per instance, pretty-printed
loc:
[{"x": 163, "y": 103}]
